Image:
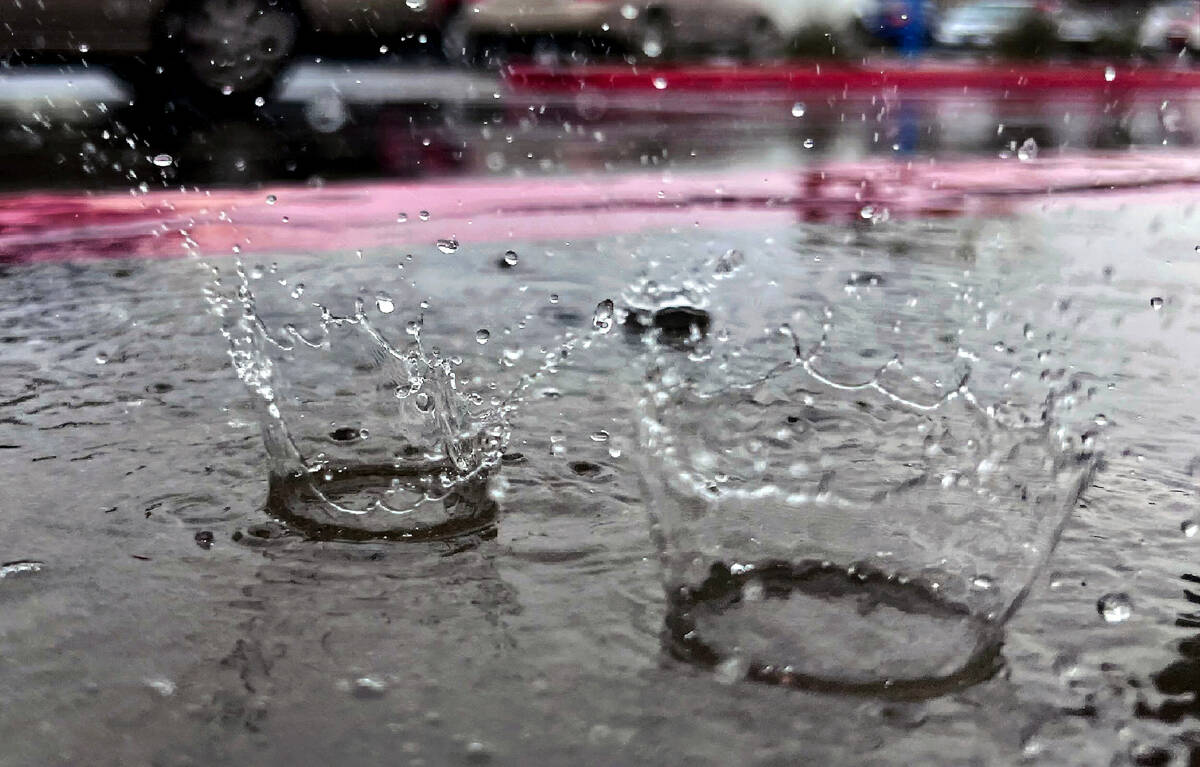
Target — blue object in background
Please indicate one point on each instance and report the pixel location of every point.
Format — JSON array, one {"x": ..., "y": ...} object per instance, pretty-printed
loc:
[{"x": 912, "y": 34}]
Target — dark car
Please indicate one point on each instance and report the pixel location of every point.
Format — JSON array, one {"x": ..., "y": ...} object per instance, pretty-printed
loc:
[{"x": 212, "y": 49}]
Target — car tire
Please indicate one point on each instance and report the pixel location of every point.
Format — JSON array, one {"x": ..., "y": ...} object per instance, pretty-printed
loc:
[{"x": 223, "y": 54}]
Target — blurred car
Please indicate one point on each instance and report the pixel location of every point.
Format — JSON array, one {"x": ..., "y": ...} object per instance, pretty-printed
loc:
[
  {"x": 1171, "y": 26},
  {"x": 979, "y": 25},
  {"x": 1084, "y": 27},
  {"x": 655, "y": 28},
  {"x": 205, "y": 48}
]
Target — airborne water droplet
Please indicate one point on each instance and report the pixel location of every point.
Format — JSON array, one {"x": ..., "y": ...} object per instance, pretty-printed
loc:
[
  {"x": 511, "y": 258},
  {"x": 1156, "y": 303},
  {"x": 384, "y": 304},
  {"x": 447, "y": 246},
  {"x": 1115, "y": 607},
  {"x": 602, "y": 320},
  {"x": 660, "y": 83},
  {"x": 798, "y": 109},
  {"x": 482, "y": 336},
  {"x": 271, "y": 199},
  {"x": 162, "y": 160},
  {"x": 1110, "y": 73},
  {"x": 423, "y": 215}
]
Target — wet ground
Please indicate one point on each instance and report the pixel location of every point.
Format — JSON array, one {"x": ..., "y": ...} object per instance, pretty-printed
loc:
[{"x": 155, "y": 614}]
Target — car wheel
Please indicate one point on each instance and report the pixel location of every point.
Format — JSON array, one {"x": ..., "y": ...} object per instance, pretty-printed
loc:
[{"x": 228, "y": 50}]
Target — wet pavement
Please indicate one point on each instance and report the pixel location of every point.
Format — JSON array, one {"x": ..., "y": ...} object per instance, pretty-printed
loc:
[{"x": 154, "y": 613}]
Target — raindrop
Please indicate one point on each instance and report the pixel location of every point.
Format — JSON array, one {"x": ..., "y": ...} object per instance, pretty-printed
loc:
[
  {"x": 1156, "y": 303},
  {"x": 511, "y": 258},
  {"x": 629, "y": 12},
  {"x": 554, "y": 298},
  {"x": 401, "y": 217},
  {"x": 1189, "y": 528},
  {"x": 101, "y": 359},
  {"x": 204, "y": 539},
  {"x": 84, "y": 48},
  {"x": 285, "y": 219},
  {"x": 384, "y": 304},
  {"x": 1115, "y": 607},
  {"x": 226, "y": 90},
  {"x": 298, "y": 290},
  {"x": 602, "y": 319},
  {"x": 423, "y": 402},
  {"x": 478, "y": 752},
  {"x": 259, "y": 101},
  {"x": 809, "y": 143},
  {"x": 660, "y": 83},
  {"x": 271, "y": 199},
  {"x": 423, "y": 215},
  {"x": 415, "y": 5},
  {"x": 1028, "y": 151},
  {"x": 162, "y": 160},
  {"x": 798, "y": 109},
  {"x": 1110, "y": 73},
  {"x": 599, "y": 436},
  {"x": 447, "y": 246},
  {"x": 482, "y": 336}
]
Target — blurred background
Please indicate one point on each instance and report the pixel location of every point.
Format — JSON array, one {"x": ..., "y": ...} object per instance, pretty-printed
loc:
[{"x": 154, "y": 93}]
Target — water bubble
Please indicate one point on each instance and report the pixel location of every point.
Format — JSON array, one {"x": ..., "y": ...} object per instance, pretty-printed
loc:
[
  {"x": 369, "y": 687},
  {"x": 447, "y": 246},
  {"x": 511, "y": 258},
  {"x": 602, "y": 319},
  {"x": 660, "y": 83},
  {"x": 1028, "y": 151},
  {"x": 272, "y": 199},
  {"x": 423, "y": 402},
  {"x": 20, "y": 567},
  {"x": 204, "y": 539},
  {"x": 384, "y": 304},
  {"x": 1115, "y": 607},
  {"x": 798, "y": 109},
  {"x": 423, "y": 215},
  {"x": 482, "y": 336},
  {"x": 162, "y": 160},
  {"x": 1110, "y": 73},
  {"x": 1156, "y": 303}
]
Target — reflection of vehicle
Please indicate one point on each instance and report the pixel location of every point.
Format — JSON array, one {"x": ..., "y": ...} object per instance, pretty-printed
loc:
[
  {"x": 656, "y": 27},
  {"x": 980, "y": 24},
  {"x": 1084, "y": 27},
  {"x": 1171, "y": 26},
  {"x": 207, "y": 47}
]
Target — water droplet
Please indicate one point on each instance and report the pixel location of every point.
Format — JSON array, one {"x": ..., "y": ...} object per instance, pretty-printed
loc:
[
  {"x": 84, "y": 47},
  {"x": 423, "y": 215},
  {"x": 298, "y": 290},
  {"x": 629, "y": 12},
  {"x": 660, "y": 83},
  {"x": 401, "y": 217},
  {"x": 226, "y": 90},
  {"x": 369, "y": 687},
  {"x": 161, "y": 685},
  {"x": 809, "y": 143},
  {"x": 1156, "y": 303},
  {"x": 101, "y": 359},
  {"x": 447, "y": 246},
  {"x": 554, "y": 298},
  {"x": 478, "y": 752},
  {"x": 1115, "y": 607},
  {"x": 983, "y": 582},
  {"x": 1110, "y": 73},
  {"x": 599, "y": 436},
  {"x": 285, "y": 219},
  {"x": 271, "y": 199},
  {"x": 259, "y": 101},
  {"x": 511, "y": 258},
  {"x": 423, "y": 402},
  {"x": 798, "y": 109},
  {"x": 384, "y": 304},
  {"x": 162, "y": 160},
  {"x": 204, "y": 539},
  {"x": 602, "y": 319},
  {"x": 1189, "y": 528},
  {"x": 482, "y": 336},
  {"x": 1028, "y": 151}
]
